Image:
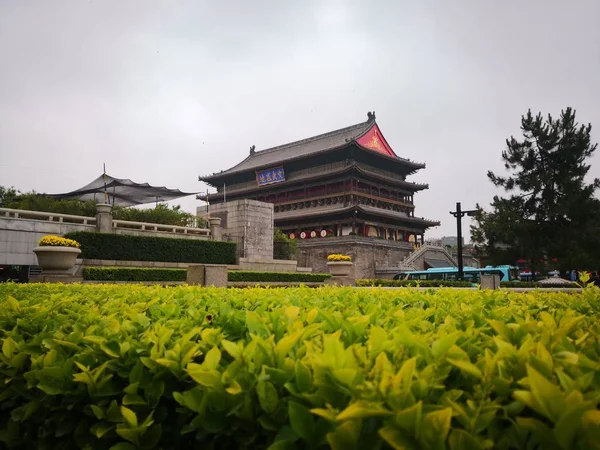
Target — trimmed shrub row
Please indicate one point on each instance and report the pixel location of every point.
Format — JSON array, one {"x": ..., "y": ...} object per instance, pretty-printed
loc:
[
  {"x": 150, "y": 248},
  {"x": 151, "y": 274},
  {"x": 246, "y": 275},
  {"x": 147, "y": 368},
  {"x": 534, "y": 284},
  {"x": 133, "y": 274},
  {"x": 412, "y": 283}
]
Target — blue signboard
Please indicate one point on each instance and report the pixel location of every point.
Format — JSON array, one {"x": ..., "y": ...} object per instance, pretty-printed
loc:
[{"x": 268, "y": 176}]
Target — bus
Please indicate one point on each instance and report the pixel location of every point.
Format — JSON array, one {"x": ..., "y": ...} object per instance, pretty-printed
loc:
[{"x": 506, "y": 273}]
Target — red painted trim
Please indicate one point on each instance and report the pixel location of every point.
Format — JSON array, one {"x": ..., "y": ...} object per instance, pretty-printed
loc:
[{"x": 374, "y": 140}]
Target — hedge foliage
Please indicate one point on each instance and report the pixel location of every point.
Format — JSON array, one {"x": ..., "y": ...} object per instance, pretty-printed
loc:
[
  {"x": 534, "y": 284},
  {"x": 412, "y": 283},
  {"x": 133, "y": 274},
  {"x": 128, "y": 367},
  {"x": 150, "y": 248},
  {"x": 247, "y": 275}
]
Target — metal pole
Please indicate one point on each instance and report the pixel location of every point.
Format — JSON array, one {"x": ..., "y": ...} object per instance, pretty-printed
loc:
[
  {"x": 224, "y": 195},
  {"x": 459, "y": 213},
  {"x": 459, "y": 244},
  {"x": 106, "y": 202}
]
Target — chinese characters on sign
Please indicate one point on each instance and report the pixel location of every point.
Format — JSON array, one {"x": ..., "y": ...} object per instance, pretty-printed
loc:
[{"x": 269, "y": 176}]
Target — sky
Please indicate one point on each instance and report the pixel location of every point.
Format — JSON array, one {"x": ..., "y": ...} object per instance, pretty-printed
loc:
[{"x": 165, "y": 91}]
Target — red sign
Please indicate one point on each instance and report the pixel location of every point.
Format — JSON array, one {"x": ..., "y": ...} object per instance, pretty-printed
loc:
[{"x": 374, "y": 140}]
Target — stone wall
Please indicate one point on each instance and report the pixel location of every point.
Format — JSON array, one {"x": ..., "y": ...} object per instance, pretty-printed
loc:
[
  {"x": 366, "y": 253},
  {"x": 248, "y": 223},
  {"x": 18, "y": 238}
]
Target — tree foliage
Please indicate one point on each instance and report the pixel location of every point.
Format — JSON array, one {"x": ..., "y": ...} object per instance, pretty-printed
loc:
[
  {"x": 161, "y": 213},
  {"x": 550, "y": 211},
  {"x": 283, "y": 246}
]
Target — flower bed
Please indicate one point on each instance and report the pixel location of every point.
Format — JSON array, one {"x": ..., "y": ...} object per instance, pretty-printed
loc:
[
  {"x": 339, "y": 258},
  {"x": 57, "y": 241},
  {"x": 127, "y": 367}
]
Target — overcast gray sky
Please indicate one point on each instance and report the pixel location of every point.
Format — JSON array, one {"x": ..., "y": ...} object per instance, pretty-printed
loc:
[{"x": 163, "y": 91}]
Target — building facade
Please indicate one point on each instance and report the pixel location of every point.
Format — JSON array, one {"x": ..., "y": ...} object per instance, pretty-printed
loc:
[{"x": 347, "y": 182}]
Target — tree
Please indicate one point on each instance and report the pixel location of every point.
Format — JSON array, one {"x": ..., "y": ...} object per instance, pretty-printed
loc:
[
  {"x": 7, "y": 196},
  {"x": 283, "y": 246},
  {"x": 551, "y": 211}
]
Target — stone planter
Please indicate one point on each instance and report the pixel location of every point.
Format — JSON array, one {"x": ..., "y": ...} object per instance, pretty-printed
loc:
[
  {"x": 52, "y": 258},
  {"x": 339, "y": 268}
]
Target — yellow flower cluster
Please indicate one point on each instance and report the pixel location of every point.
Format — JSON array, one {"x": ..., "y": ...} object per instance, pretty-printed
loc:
[
  {"x": 57, "y": 241},
  {"x": 338, "y": 258}
]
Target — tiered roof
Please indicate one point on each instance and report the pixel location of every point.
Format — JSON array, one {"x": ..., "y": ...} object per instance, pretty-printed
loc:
[{"x": 365, "y": 135}]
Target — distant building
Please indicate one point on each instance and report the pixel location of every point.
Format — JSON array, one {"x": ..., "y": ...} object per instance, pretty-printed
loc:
[
  {"x": 446, "y": 241},
  {"x": 344, "y": 185}
]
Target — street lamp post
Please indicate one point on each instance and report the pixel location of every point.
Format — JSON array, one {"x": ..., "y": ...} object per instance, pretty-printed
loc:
[{"x": 459, "y": 214}]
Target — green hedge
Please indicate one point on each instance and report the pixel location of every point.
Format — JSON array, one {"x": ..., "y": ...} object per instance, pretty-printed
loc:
[
  {"x": 137, "y": 367},
  {"x": 151, "y": 274},
  {"x": 412, "y": 283},
  {"x": 150, "y": 248},
  {"x": 534, "y": 284},
  {"x": 133, "y": 274},
  {"x": 243, "y": 275}
]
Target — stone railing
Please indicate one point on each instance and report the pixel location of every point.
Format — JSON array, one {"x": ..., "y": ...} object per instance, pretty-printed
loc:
[
  {"x": 144, "y": 226},
  {"x": 46, "y": 216},
  {"x": 104, "y": 222}
]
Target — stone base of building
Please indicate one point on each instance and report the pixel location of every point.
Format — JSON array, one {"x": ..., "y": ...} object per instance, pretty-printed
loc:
[
  {"x": 268, "y": 265},
  {"x": 65, "y": 278},
  {"x": 207, "y": 275},
  {"x": 366, "y": 253},
  {"x": 340, "y": 281}
]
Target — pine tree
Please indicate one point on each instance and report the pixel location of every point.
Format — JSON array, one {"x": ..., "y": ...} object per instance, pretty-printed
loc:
[{"x": 551, "y": 209}]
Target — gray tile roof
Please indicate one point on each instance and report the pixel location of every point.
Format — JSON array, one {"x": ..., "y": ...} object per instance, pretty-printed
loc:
[
  {"x": 322, "y": 142},
  {"x": 299, "y": 149},
  {"x": 319, "y": 211}
]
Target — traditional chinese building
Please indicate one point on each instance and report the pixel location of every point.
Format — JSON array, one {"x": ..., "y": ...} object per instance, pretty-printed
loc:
[{"x": 346, "y": 183}]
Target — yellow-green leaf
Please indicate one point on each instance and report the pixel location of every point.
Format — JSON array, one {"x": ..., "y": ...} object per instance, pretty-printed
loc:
[
  {"x": 129, "y": 416},
  {"x": 466, "y": 367},
  {"x": 362, "y": 409}
]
